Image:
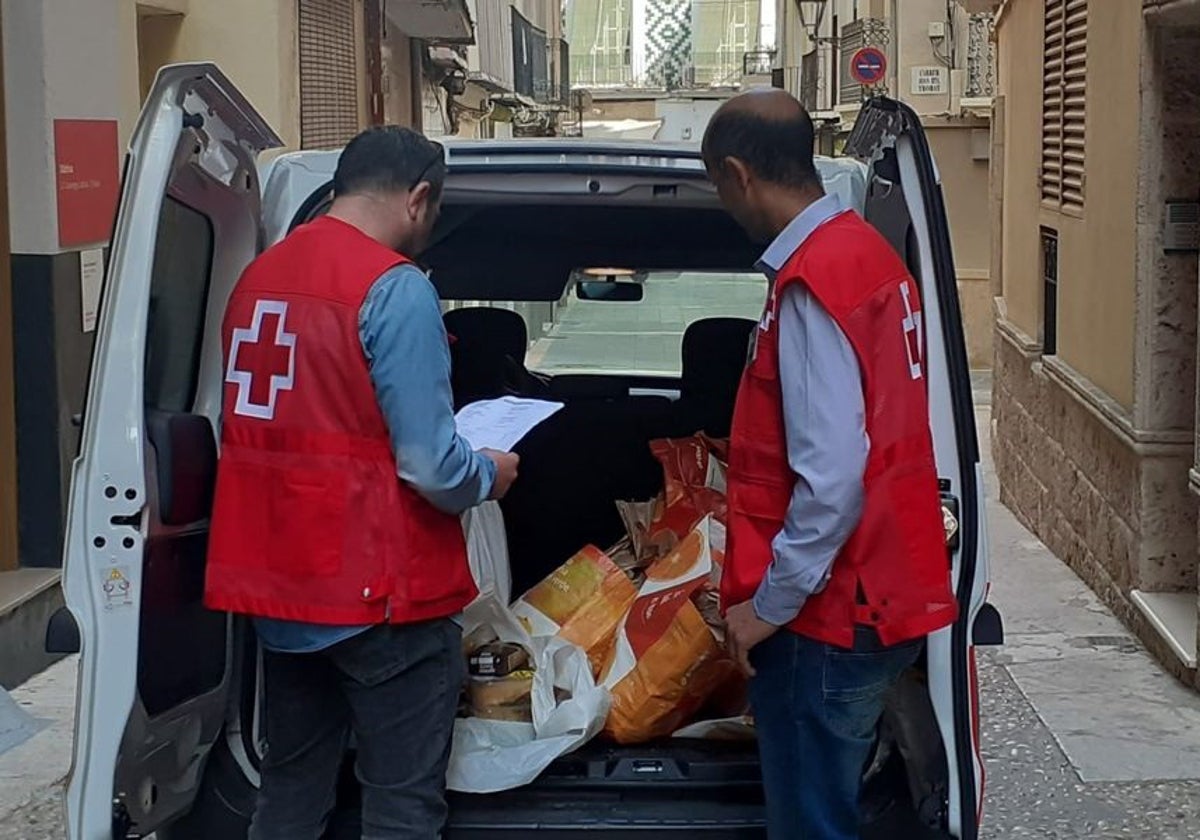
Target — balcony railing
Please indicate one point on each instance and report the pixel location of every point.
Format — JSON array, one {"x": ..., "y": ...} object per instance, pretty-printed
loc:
[
  {"x": 601, "y": 70},
  {"x": 721, "y": 68}
]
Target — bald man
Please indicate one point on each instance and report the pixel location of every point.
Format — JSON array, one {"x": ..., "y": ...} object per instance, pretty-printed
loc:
[{"x": 836, "y": 567}]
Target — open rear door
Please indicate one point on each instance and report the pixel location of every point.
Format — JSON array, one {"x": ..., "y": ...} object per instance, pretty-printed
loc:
[
  {"x": 155, "y": 665},
  {"x": 904, "y": 201}
]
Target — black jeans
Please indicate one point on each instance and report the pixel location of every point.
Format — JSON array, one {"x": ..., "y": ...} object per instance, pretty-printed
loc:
[{"x": 396, "y": 688}]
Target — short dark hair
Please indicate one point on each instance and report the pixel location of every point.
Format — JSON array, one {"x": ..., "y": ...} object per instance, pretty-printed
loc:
[
  {"x": 389, "y": 159},
  {"x": 778, "y": 149}
]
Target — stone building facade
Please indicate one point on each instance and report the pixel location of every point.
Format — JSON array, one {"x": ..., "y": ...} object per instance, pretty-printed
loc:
[{"x": 1094, "y": 189}]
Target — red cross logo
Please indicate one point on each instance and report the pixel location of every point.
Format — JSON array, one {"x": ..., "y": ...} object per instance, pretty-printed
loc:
[
  {"x": 261, "y": 368},
  {"x": 912, "y": 332}
]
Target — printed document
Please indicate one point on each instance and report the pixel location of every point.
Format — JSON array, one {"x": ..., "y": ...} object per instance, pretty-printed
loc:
[{"x": 499, "y": 424}]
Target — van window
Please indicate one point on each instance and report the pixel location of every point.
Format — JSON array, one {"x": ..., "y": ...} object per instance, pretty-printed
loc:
[
  {"x": 644, "y": 337},
  {"x": 178, "y": 297}
]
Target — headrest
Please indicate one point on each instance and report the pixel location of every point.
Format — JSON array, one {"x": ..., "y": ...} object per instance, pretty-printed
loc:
[
  {"x": 714, "y": 354},
  {"x": 487, "y": 329}
]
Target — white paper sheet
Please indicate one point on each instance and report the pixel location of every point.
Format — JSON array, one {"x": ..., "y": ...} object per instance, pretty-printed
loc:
[
  {"x": 91, "y": 277},
  {"x": 499, "y": 424}
]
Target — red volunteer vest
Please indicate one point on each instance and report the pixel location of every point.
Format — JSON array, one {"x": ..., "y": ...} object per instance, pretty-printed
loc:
[
  {"x": 310, "y": 521},
  {"x": 893, "y": 574}
]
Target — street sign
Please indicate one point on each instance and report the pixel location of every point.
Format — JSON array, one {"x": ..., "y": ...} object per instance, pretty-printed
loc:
[{"x": 868, "y": 66}]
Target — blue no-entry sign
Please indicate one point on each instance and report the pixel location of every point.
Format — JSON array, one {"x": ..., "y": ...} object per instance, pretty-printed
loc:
[{"x": 868, "y": 66}]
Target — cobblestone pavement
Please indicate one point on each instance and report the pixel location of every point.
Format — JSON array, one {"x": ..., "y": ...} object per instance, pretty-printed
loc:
[
  {"x": 39, "y": 818},
  {"x": 1033, "y": 791}
]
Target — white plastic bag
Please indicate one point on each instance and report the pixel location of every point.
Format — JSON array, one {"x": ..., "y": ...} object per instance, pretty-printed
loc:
[
  {"x": 487, "y": 550},
  {"x": 489, "y": 756}
]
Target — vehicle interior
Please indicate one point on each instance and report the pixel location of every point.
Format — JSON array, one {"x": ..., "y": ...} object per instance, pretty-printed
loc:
[{"x": 500, "y": 267}]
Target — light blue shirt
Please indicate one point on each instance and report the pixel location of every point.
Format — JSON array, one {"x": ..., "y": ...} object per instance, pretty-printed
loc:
[
  {"x": 825, "y": 420},
  {"x": 408, "y": 354}
]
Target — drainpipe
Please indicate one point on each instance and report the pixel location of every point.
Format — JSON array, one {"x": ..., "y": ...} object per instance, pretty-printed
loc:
[{"x": 896, "y": 49}]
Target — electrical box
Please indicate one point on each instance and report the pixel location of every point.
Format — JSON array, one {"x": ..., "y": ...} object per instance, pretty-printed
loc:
[
  {"x": 1181, "y": 227},
  {"x": 937, "y": 29}
]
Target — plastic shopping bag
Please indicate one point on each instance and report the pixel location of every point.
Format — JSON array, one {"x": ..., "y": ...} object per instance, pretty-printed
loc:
[
  {"x": 582, "y": 601},
  {"x": 489, "y": 755},
  {"x": 487, "y": 550}
]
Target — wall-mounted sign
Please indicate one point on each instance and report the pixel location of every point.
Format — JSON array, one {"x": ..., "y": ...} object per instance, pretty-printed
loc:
[
  {"x": 91, "y": 278},
  {"x": 930, "y": 81},
  {"x": 88, "y": 180}
]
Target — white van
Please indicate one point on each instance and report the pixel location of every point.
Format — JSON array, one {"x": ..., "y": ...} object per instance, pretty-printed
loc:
[{"x": 168, "y": 735}]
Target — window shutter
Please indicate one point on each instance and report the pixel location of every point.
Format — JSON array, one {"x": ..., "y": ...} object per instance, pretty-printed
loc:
[
  {"x": 1064, "y": 97},
  {"x": 1074, "y": 102},
  {"x": 329, "y": 112}
]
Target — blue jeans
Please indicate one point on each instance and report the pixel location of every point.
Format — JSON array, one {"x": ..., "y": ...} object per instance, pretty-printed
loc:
[
  {"x": 816, "y": 708},
  {"x": 396, "y": 688}
]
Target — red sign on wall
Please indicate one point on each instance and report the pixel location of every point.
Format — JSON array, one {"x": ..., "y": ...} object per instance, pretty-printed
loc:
[{"x": 88, "y": 176}]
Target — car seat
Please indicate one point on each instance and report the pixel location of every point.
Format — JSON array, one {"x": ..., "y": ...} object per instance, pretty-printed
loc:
[
  {"x": 714, "y": 353},
  {"x": 487, "y": 352}
]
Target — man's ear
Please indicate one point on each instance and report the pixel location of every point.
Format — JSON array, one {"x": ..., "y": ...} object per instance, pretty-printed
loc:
[
  {"x": 738, "y": 170},
  {"x": 418, "y": 197}
]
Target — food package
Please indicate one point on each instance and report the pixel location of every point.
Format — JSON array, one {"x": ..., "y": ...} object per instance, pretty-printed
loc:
[
  {"x": 708, "y": 597},
  {"x": 567, "y": 708},
  {"x": 506, "y": 698},
  {"x": 638, "y": 518},
  {"x": 666, "y": 662},
  {"x": 625, "y": 558},
  {"x": 582, "y": 601},
  {"x": 694, "y": 486},
  {"x": 497, "y": 659}
]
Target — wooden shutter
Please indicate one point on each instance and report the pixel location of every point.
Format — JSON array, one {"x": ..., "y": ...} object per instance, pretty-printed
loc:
[
  {"x": 329, "y": 95},
  {"x": 1074, "y": 102},
  {"x": 1064, "y": 100}
]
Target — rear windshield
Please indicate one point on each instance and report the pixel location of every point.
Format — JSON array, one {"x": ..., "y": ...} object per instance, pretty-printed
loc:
[{"x": 574, "y": 335}]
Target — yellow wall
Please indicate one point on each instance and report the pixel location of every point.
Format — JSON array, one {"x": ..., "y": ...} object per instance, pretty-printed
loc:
[
  {"x": 1020, "y": 79},
  {"x": 254, "y": 43},
  {"x": 1097, "y": 249},
  {"x": 965, "y": 188},
  {"x": 157, "y": 41},
  {"x": 1098, "y": 253}
]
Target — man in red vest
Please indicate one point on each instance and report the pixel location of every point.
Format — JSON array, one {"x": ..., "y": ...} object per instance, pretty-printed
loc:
[
  {"x": 335, "y": 522},
  {"x": 836, "y": 567}
]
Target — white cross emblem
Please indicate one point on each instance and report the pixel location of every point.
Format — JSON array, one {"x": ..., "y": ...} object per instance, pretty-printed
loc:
[
  {"x": 912, "y": 333},
  {"x": 257, "y": 366}
]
